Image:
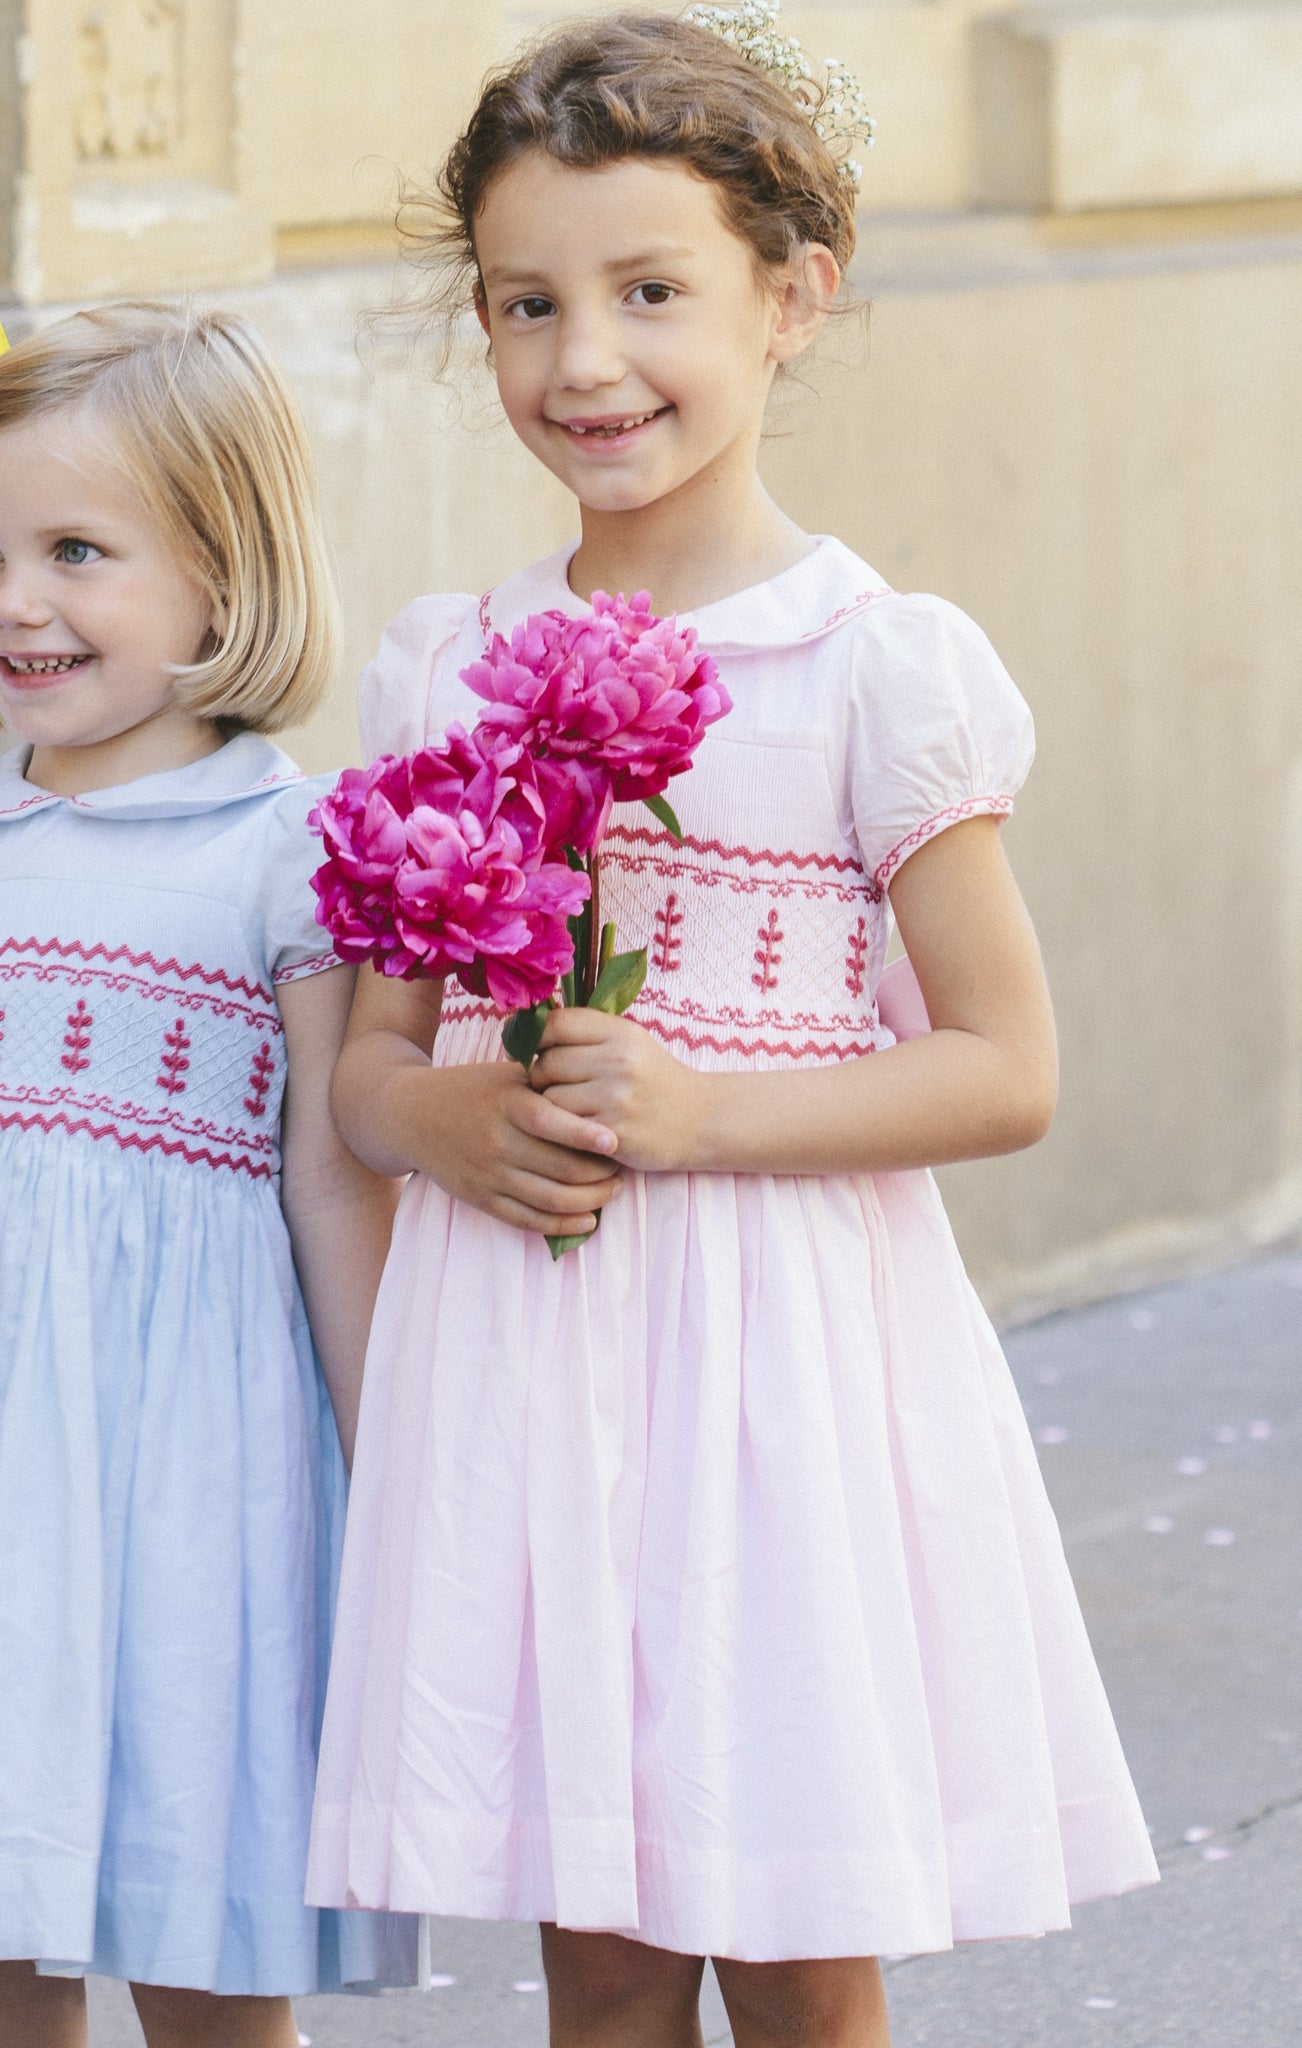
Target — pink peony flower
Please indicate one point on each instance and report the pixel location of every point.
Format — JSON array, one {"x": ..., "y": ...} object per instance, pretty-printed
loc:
[
  {"x": 362, "y": 822},
  {"x": 620, "y": 690},
  {"x": 440, "y": 863}
]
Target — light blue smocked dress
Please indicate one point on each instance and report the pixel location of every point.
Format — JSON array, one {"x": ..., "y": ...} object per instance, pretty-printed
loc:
[{"x": 171, "y": 1486}]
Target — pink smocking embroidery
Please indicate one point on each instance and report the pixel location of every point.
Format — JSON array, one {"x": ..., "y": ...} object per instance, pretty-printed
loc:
[
  {"x": 855, "y": 956},
  {"x": 77, "y": 1038},
  {"x": 667, "y": 946},
  {"x": 260, "y": 1080},
  {"x": 767, "y": 956},
  {"x": 174, "y": 1065}
]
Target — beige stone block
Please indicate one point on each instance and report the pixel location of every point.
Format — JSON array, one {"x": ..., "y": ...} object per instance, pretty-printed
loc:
[
  {"x": 911, "y": 58},
  {"x": 343, "y": 99},
  {"x": 10, "y": 155},
  {"x": 1113, "y": 108},
  {"x": 125, "y": 164},
  {"x": 1100, "y": 467}
]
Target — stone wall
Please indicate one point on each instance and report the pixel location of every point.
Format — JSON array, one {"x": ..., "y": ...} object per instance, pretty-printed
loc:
[{"x": 1075, "y": 415}]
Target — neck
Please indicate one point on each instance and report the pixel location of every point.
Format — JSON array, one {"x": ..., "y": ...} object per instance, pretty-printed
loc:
[
  {"x": 172, "y": 741},
  {"x": 701, "y": 543}
]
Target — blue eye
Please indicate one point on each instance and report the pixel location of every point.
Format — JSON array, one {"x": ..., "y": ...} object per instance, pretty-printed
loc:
[{"x": 76, "y": 552}]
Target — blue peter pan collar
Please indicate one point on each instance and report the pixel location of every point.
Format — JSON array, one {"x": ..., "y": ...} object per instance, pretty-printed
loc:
[{"x": 245, "y": 766}]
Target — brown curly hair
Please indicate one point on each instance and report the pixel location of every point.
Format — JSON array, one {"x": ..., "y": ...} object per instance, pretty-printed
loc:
[{"x": 596, "y": 92}]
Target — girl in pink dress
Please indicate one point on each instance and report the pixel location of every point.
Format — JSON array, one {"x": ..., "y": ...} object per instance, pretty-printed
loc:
[{"x": 701, "y": 1596}]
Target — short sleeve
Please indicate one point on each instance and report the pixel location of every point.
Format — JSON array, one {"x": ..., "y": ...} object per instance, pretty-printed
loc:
[
  {"x": 937, "y": 732},
  {"x": 294, "y": 944},
  {"x": 397, "y": 707}
]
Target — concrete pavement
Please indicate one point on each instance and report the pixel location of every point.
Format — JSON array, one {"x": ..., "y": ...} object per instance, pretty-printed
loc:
[{"x": 1170, "y": 1430}]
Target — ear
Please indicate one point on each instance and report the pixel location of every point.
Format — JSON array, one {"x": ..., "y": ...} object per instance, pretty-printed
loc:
[
  {"x": 481, "y": 308},
  {"x": 807, "y": 298}
]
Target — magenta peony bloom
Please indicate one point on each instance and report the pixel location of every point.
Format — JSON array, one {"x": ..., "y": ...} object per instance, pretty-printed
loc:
[
  {"x": 620, "y": 691},
  {"x": 362, "y": 824},
  {"x": 442, "y": 863}
]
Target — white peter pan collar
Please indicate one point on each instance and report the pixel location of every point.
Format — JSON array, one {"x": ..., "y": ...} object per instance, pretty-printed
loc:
[
  {"x": 245, "y": 766},
  {"x": 804, "y": 602}
]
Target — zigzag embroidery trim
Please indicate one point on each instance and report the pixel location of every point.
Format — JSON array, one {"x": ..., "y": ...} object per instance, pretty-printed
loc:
[
  {"x": 72, "y": 949},
  {"x": 130, "y": 1141},
  {"x": 826, "y": 863}
]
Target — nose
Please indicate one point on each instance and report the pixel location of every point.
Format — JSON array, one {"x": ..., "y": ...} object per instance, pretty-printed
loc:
[
  {"x": 588, "y": 355},
  {"x": 22, "y": 606}
]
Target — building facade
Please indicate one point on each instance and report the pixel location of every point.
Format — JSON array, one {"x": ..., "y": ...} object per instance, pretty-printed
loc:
[{"x": 1075, "y": 411}]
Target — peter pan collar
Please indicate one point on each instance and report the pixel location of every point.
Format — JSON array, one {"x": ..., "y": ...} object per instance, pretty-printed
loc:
[
  {"x": 811, "y": 598},
  {"x": 245, "y": 766}
]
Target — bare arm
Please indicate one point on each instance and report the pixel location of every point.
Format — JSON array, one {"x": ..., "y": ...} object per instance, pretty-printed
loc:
[
  {"x": 339, "y": 1213},
  {"x": 480, "y": 1131},
  {"x": 983, "y": 1082}
]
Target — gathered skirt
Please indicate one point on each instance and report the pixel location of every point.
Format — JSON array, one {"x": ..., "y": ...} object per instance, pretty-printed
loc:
[
  {"x": 171, "y": 1519},
  {"x": 702, "y": 1587}
]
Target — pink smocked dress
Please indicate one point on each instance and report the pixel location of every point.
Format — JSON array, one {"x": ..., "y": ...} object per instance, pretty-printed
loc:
[{"x": 702, "y": 1585}]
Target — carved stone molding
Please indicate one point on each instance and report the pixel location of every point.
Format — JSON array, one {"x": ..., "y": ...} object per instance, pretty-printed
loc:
[
  {"x": 131, "y": 169},
  {"x": 129, "y": 85}
]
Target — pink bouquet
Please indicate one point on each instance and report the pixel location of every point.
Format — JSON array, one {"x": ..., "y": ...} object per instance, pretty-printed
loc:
[{"x": 479, "y": 857}]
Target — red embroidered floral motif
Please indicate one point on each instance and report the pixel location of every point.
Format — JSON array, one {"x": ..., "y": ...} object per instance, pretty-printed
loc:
[
  {"x": 77, "y": 1037},
  {"x": 668, "y": 945},
  {"x": 174, "y": 1063},
  {"x": 767, "y": 957},
  {"x": 260, "y": 1080},
  {"x": 855, "y": 957}
]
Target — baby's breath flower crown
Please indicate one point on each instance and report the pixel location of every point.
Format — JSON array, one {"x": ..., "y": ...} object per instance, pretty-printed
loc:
[{"x": 835, "y": 110}]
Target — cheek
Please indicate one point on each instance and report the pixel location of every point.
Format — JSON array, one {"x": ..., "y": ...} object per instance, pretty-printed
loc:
[{"x": 520, "y": 382}]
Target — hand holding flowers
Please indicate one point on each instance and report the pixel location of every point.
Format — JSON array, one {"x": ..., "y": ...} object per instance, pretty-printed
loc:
[
  {"x": 607, "y": 1069},
  {"x": 479, "y": 857}
]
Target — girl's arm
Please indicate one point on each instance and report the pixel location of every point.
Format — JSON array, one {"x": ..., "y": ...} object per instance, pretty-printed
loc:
[
  {"x": 480, "y": 1131},
  {"x": 984, "y": 1080},
  {"x": 339, "y": 1213}
]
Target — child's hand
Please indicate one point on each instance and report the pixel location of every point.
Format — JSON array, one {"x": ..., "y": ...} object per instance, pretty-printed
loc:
[
  {"x": 480, "y": 1131},
  {"x": 611, "y": 1069},
  {"x": 493, "y": 1141}
]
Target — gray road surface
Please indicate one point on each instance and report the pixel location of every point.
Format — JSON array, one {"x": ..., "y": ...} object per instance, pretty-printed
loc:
[{"x": 1170, "y": 1426}]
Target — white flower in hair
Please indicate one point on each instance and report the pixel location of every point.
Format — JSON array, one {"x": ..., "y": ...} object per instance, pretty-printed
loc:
[{"x": 835, "y": 111}]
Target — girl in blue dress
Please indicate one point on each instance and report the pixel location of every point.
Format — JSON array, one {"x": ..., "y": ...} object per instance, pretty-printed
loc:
[{"x": 177, "y": 1225}]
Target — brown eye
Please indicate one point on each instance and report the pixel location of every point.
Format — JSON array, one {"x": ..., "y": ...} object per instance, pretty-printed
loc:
[
  {"x": 653, "y": 294},
  {"x": 532, "y": 309}
]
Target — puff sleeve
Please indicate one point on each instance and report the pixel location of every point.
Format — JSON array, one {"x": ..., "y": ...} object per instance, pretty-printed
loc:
[
  {"x": 937, "y": 731},
  {"x": 397, "y": 707},
  {"x": 294, "y": 943}
]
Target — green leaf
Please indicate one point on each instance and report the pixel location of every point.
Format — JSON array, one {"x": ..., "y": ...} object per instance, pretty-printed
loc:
[
  {"x": 619, "y": 983},
  {"x": 661, "y": 808},
  {"x": 522, "y": 1033},
  {"x": 567, "y": 989},
  {"x": 580, "y": 927},
  {"x": 558, "y": 1246},
  {"x": 607, "y": 950}
]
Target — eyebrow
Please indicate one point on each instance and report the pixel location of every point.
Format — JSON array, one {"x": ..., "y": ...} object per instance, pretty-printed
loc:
[{"x": 638, "y": 259}]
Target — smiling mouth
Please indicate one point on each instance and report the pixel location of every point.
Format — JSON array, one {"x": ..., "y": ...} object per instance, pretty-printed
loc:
[
  {"x": 43, "y": 665},
  {"x": 611, "y": 430}
]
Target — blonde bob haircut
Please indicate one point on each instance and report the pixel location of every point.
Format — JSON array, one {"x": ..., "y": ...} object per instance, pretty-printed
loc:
[{"x": 203, "y": 428}]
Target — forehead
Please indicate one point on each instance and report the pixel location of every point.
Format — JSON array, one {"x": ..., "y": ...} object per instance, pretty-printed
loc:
[
  {"x": 539, "y": 213},
  {"x": 68, "y": 455}
]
